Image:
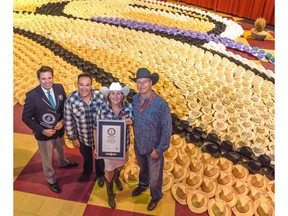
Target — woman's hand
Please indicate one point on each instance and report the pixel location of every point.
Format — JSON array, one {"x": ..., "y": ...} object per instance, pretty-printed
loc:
[{"x": 128, "y": 121}]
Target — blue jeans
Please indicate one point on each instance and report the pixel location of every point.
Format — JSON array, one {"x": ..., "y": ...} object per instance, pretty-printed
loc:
[{"x": 151, "y": 173}]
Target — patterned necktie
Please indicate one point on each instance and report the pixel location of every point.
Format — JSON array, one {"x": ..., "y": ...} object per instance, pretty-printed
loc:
[{"x": 51, "y": 100}]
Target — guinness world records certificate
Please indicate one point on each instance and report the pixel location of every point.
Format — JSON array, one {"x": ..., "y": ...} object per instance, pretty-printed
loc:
[{"x": 111, "y": 139}]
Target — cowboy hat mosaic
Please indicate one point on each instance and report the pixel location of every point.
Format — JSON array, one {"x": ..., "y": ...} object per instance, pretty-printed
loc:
[{"x": 222, "y": 104}]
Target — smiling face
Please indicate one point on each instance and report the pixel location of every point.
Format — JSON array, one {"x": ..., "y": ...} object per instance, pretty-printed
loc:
[
  {"x": 144, "y": 86},
  {"x": 115, "y": 97},
  {"x": 46, "y": 79},
  {"x": 85, "y": 87}
]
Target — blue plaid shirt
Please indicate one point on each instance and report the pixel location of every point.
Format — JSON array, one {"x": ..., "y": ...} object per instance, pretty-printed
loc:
[
  {"x": 80, "y": 117},
  {"x": 106, "y": 112},
  {"x": 152, "y": 127}
]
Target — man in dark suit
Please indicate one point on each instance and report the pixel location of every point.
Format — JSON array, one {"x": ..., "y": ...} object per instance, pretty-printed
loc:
[{"x": 43, "y": 113}]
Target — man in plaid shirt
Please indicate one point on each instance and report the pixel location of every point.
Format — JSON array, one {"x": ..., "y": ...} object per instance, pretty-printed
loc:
[{"x": 79, "y": 114}]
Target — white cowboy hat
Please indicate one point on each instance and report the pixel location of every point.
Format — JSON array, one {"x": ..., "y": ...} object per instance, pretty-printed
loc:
[
  {"x": 197, "y": 201},
  {"x": 228, "y": 195},
  {"x": 217, "y": 207},
  {"x": 179, "y": 192},
  {"x": 115, "y": 86},
  {"x": 168, "y": 181}
]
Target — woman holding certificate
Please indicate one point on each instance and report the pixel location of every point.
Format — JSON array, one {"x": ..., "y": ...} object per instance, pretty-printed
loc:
[{"x": 116, "y": 108}]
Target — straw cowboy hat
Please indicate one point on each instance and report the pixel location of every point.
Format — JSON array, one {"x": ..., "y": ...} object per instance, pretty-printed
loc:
[
  {"x": 168, "y": 181},
  {"x": 191, "y": 150},
  {"x": 194, "y": 181},
  {"x": 211, "y": 171},
  {"x": 206, "y": 158},
  {"x": 217, "y": 207},
  {"x": 228, "y": 195},
  {"x": 271, "y": 186},
  {"x": 131, "y": 174},
  {"x": 241, "y": 187},
  {"x": 264, "y": 207},
  {"x": 240, "y": 172},
  {"x": 179, "y": 192},
  {"x": 183, "y": 159},
  {"x": 258, "y": 181},
  {"x": 255, "y": 194},
  {"x": 177, "y": 141},
  {"x": 169, "y": 164},
  {"x": 209, "y": 187},
  {"x": 224, "y": 164},
  {"x": 179, "y": 173},
  {"x": 115, "y": 86},
  {"x": 145, "y": 73},
  {"x": 171, "y": 153},
  {"x": 196, "y": 166},
  {"x": 197, "y": 201},
  {"x": 244, "y": 206},
  {"x": 225, "y": 179}
]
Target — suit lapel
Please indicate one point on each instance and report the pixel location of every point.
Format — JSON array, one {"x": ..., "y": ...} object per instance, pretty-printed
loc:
[{"x": 43, "y": 97}]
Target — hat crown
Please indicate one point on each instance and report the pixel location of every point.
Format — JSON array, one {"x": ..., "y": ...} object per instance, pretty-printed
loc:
[
  {"x": 218, "y": 209},
  {"x": 243, "y": 204},
  {"x": 193, "y": 179},
  {"x": 238, "y": 171},
  {"x": 207, "y": 185},
  {"x": 195, "y": 165},
  {"x": 198, "y": 200},
  {"x": 210, "y": 170},
  {"x": 181, "y": 191},
  {"x": 115, "y": 86},
  {"x": 226, "y": 194},
  {"x": 257, "y": 180}
]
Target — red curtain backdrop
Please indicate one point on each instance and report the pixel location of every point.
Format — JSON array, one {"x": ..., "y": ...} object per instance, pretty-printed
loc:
[
  {"x": 194, "y": 2},
  {"x": 269, "y": 11},
  {"x": 210, "y": 4}
]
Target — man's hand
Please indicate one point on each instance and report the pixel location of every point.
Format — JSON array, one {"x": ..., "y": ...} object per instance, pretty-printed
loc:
[
  {"x": 154, "y": 154},
  {"x": 59, "y": 125},
  {"x": 49, "y": 132}
]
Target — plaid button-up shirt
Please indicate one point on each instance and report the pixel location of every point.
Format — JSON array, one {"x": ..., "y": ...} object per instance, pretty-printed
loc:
[{"x": 80, "y": 117}]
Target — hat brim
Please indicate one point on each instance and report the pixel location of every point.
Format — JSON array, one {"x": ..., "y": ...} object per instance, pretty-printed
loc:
[
  {"x": 211, "y": 202},
  {"x": 105, "y": 91},
  {"x": 154, "y": 77},
  {"x": 193, "y": 208}
]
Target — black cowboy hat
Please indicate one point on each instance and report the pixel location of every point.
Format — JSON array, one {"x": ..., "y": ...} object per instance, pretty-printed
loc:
[
  {"x": 145, "y": 73},
  {"x": 194, "y": 138},
  {"x": 226, "y": 146},
  {"x": 212, "y": 149},
  {"x": 200, "y": 132},
  {"x": 234, "y": 157},
  {"x": 246, "y": 152},
  {"x": 265, "y": 160},
  {"x": 270, "y": 174},
  {"x": 254, "y": 167},
  {"x": 213, "y": 137}
]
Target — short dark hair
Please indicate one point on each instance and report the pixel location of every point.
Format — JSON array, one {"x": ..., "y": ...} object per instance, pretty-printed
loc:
[
  {"x": 84, "y": 75},
  {"x": 44, "y": 69}
]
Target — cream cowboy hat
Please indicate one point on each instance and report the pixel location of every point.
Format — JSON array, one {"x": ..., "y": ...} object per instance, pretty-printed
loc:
[
  {"x": 217, "y": 207},
  {"x": 244, "y": 206},
  {"x": 115, "y": 86},
  {"x": 179, "y": 192},
  {"x": 208, "y": 186},
  {"x": 193, "y": 181},
  {"x": 168, "y": 181},
  {"x": 228, "y": 195},
  {"x": 197, "y": 201}
]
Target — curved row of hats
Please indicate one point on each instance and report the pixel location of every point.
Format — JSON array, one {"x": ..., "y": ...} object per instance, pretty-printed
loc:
[{"x": 205, "y": 182}]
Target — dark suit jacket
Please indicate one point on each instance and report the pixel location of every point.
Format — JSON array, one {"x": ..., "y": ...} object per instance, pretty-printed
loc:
[{"x": 38, "y": 114}]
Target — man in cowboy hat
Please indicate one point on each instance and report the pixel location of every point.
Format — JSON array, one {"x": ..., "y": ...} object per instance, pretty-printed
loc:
[{"x": 152, "y": 133}]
